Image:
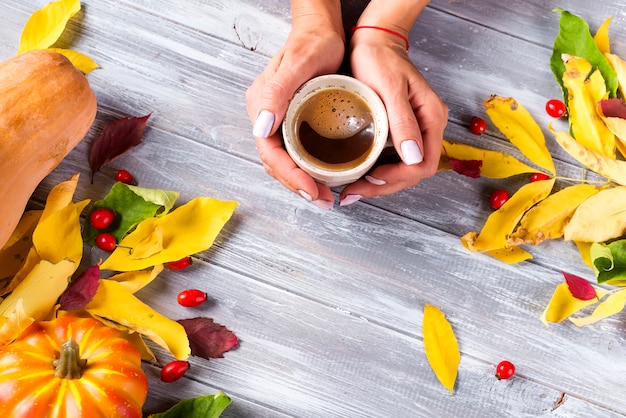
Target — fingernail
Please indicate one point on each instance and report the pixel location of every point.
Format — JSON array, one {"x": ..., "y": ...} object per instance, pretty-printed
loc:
[
  {"x": 305, "y": 195},
  {"x": 350, "y": 199},
  {"x": 375, "y": 181},
  {"x": 411, "y": 153},
  {"x": 323, "y": 204},
  {"x": 263, "y": 124}
]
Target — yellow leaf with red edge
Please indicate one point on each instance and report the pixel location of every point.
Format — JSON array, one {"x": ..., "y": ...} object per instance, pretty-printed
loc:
[
  {"x": 518, "y": 125},
  {"x": 599, "y": 218},
  {"x": 563, "y": 304},
  {"x": 502, "y": 222},
  {"x": 614, "y": 170},
  {"x": 601, "y": 38},
  {"x": 613, "y": 304},
  {"x": 586, "y": 88},
  {"x": 441, "y": 346},
  {"x": 115, "y": 303},
  {"x": 45, "y": 26},
  {"x": 79, "y": 60},
  {"x": 34, "y": 297},
  {"x": 187, "y": 230},
  {"x": 547, "y": 219},
  {"x": 495, "y": 164}
]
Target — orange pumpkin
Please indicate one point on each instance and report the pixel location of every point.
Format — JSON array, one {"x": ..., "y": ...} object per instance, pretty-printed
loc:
[
  {"x": 71, "y": 367},
  {"x": 46, "y": 108}
]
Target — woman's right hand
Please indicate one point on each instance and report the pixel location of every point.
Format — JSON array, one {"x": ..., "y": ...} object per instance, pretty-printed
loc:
[{"x": 314, "y": 47}]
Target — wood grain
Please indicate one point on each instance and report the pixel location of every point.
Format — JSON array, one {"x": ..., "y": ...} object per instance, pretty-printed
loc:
[{"x": 328, "y": 305}]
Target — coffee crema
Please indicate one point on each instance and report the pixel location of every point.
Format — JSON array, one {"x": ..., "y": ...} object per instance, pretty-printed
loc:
[{"x": 336, "y": 129}]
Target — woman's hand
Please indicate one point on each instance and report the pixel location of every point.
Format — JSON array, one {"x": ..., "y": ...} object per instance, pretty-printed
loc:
[{"x": 314, "y": 47}]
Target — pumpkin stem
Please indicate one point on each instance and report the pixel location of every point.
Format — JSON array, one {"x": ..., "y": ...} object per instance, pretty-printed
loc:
[{"x": 69, "y": 364}]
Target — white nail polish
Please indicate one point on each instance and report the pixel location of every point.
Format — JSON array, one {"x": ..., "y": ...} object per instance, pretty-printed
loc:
[
  {"x": 375, "y": 181},
  {"x": 411, "y": 153},
  {"x": 305, "y": 195},
  {"x": 263, "y": 124},
  {"x": 350, "y": 199},
  {"x": 323, "y": 204}
]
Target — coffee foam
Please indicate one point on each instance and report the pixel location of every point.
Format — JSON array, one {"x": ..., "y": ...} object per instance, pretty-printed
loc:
[{"x": 336, "y": 114}]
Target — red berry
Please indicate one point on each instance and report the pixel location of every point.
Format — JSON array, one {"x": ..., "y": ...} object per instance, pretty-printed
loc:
[
  {"x": 477, "y": 126},
  {"x": 106, "y": 241},
  {"x": 539, "y": 177},
  {"x": 101, "y": 218},
  {"x": 556, "y": 108},
  {"x": 124, "y": 176},
  {"x": 174, "y": 370},
  {"x": 505, "y": 370},
  {"x": 498, "y": 198},
  {"x": 181, "y": 264},
  {"x": 192, "y": 298}
]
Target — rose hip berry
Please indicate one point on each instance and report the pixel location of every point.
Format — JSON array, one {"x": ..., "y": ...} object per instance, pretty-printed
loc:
[
  {"x": 538, "y": 177},
  {"x": 106, "y": 241},
  {"x": 505, "y": 370},
  {"x": 556, "y": 108},
  {"x": 191, "y": 298},
  {"x": 477, "y": 126},
  {"x": 101, "y": 218},
  {"x": 498, "y": 198},
  {"x": 174, "y": 370},
  {"x": 181, "y": 264},
  {"x": 124, "y": 176}
]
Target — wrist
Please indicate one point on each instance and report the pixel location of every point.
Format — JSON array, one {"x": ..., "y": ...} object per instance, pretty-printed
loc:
[
  {"x": 395, "y": 15},
  {"x": 317, "y": 16}
]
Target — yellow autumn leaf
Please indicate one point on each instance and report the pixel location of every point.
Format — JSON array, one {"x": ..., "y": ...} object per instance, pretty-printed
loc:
[
  {"x": 187, "y": 230},
  {"x": 547, "y": 219},
  {"x": 34, "y": 297},
  {"x": 614, "y": 303},
  {"x": 82, "y": 62},
  {"x": 563, "y": 304},
  {"x": 502, "y": 222},
  {"x": 115, "y": 303},
  {"x": 584, "y": 248},
  {"x": 16, "y": 249},
  {"x": 618, "y": 127},
  {"x": 441, "y": 346},
  {"x": 45, "y": 26},
  {"x": 137, "y": 280},
  {"x": 149, "y": 246},
  {"x": 518, "y": 125},
  {"x": 496, "y": 164},
  {"x": 600, "y": 218},
  {"x": 619, "y": 65},
  {"x": 510, "y": 255},
  {"x": 601, "y": 38},
  {"x": 611, "y": 168},
  {"x": 586, "y": 88},
  {"x": 60, "y": 196}
]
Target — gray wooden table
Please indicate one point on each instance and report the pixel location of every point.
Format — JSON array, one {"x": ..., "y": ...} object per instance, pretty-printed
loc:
[{"x": 328, "y": 305}]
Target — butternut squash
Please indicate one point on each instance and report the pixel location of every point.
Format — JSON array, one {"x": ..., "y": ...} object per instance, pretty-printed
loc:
[{"x": 46, "y": 108}]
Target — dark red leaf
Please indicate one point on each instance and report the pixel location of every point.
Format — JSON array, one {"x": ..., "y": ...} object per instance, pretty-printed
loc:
[
  {"x": 580, "y": 288},
  {"x": 469, "y": 168},
  {"x": 116, "y": 138},
  {"x": 613, "y": 108},
  {"x": 81, "y": 291},
  {"x": 208, "y": 339}
]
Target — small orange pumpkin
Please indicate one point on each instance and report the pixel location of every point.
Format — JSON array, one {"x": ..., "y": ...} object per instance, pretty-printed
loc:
[
  {"x": 71, "y": 367},
  {"x": 46, "y": 108}
]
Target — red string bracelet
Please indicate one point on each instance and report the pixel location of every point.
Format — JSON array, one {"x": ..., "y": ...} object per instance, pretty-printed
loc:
[{"x": 393, "y": 32}]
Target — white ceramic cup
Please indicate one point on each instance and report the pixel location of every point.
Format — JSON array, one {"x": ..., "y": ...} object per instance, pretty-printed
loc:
[{"x": 334, "y": 174}]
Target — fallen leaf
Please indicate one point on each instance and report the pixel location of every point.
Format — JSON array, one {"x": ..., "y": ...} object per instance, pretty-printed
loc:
[
  {"x": 441, "y": 346},
  {"x": 579, "y": 287},
  {"x": 208, "y": 406},
  {"x": 84, "y": 63},
  {"x": 563, "y": 304},
  {"x": 599, "y": 218},
  {"x": 116, "y": 139},
  {"x": 207, "y": 338},
  {"x": 612, "y": 305},
  {"x": 609, "y": 261},
  {"x": 80, "y": 292},
  {"x": 601, "y": 38},
  {"x": 45, "y": 26}
]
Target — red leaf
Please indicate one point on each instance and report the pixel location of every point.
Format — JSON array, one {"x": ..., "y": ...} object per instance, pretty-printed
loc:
[
  {"x": 81, "y": 291},
  {"x": 613, "y": 108},
  {"x": 208, "y": 339},
  {"x": 116, "y": 138},
  {"x": 580, "y": 288},
  {"x": 469, "y": 168}
]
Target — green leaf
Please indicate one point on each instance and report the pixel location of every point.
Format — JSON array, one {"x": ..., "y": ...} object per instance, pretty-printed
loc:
[
  {"x": 609, "y": 261},
  {"x": 208, "y": 406},
  {"x": 132, "y": 204},
  {"x": 575, "y": 39}
]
